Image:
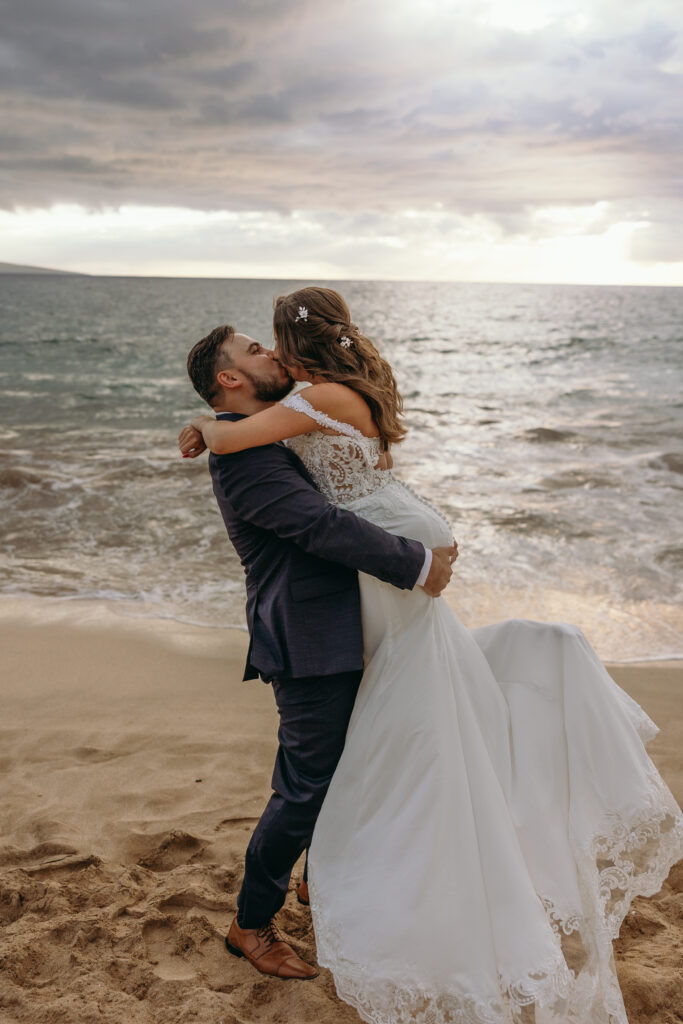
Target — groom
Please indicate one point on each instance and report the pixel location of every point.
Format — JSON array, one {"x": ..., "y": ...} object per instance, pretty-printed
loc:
[{"x": 301, "y": 556}]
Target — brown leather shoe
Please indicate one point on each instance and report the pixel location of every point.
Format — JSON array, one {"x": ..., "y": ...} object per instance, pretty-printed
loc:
[
  {"x": 265, "y": 948},
  {"x": 302, "y": 893}
]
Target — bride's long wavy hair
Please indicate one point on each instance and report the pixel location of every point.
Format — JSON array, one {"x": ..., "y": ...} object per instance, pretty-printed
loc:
[{"x": 326, "y": 344}]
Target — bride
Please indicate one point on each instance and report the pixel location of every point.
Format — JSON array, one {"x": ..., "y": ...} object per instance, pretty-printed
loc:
[{"x": 494, "y": 812}]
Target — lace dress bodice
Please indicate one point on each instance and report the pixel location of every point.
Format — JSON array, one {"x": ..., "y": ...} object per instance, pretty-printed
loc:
[
  {"x": 344, "y": 468},
  {"x": 343, "y": 465}
]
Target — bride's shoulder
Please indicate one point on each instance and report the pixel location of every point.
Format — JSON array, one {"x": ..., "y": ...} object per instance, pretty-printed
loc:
[
  {"x": 340, "y": 403},
  {"x": 331, "y": 397}
]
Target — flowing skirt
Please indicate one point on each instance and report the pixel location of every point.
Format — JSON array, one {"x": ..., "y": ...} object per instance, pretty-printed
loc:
[{"x": 491, "y": 819}]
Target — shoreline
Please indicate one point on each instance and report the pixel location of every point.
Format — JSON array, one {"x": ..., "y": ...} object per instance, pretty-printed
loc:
[
  {"x": 137, "y": 763},
  {"x": 136, "y": 617}
]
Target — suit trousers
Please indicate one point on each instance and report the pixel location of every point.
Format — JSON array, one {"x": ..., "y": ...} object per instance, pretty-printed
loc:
[{"x": 314, "y": 715}]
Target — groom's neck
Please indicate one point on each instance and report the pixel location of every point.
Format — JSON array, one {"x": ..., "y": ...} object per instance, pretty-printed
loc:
[{"x": 244, "y": 406}]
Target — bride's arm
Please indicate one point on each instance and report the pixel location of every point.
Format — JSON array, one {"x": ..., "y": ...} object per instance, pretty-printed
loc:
[
  {"x": 278, "y": 423},
  {"x": 223, "y": 437}
]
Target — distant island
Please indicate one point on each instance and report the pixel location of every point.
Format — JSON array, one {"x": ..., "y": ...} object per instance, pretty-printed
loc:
[{"x": 19, "y": 268}]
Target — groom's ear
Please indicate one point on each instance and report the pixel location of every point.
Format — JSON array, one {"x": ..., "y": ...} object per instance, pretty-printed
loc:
[{"x": 228, "y": 380}]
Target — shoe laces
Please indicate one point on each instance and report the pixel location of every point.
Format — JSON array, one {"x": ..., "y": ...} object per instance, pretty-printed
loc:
[{"x": 269, "y": 934}]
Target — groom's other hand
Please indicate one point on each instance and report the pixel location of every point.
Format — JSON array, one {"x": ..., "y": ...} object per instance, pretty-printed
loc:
[
  {"x": 191, "y": 443},
  {"x": 441, "y": 570}
]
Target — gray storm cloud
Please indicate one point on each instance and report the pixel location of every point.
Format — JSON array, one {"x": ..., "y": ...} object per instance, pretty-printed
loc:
[{"x": 344, "y": 107}]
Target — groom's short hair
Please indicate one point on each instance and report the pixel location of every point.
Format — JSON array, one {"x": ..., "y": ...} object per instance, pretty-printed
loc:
[{"x": 207, "y": 358}]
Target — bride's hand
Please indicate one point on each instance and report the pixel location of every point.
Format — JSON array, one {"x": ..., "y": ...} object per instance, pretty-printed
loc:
[{"x": 191, "y": 442}]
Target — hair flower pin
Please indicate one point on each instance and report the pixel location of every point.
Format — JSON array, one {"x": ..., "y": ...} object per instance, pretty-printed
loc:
[
  {"x": 303, "y": 314},
  {"x": 345, "y": 342}
]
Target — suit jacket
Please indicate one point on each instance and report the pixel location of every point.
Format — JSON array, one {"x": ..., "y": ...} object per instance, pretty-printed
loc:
[{"x": 300, "y": 556}]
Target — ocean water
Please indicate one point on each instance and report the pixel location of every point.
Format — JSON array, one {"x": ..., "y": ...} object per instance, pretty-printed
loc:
[{"x": 546, "y": 421}]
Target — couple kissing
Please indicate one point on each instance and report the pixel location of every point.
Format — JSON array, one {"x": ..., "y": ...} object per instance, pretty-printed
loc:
[{"x": 477, "y": 807}]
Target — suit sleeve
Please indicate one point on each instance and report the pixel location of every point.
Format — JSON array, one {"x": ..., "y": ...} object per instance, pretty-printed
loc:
[{"x": 265, "y": 488}]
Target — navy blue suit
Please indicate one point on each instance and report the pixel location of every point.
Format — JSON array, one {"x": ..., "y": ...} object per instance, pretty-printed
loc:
[{"x": 300, "y": 556}]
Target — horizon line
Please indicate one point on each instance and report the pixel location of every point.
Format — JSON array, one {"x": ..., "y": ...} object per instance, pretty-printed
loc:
[{"x": 33, "y": 271}]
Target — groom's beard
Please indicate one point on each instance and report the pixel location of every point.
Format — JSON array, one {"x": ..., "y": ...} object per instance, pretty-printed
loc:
[{"x": 269, "y": 390}]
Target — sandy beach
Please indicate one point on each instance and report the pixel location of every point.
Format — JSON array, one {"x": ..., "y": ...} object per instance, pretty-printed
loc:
[{"x": 136, "y": 763}]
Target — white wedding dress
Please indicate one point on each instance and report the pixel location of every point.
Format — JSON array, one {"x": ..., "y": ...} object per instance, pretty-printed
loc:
[{"x": 494, "y": 811}]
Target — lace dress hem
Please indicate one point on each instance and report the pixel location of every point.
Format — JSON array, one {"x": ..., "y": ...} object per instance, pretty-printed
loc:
[{"x": 628, "y": 858}]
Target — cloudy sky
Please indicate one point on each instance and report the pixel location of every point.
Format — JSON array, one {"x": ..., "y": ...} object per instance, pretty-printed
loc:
[{"x": 509, "y": 140}]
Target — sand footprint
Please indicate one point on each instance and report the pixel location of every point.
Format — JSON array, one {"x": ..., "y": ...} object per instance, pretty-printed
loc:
[
  {"x": 187, "y": 949},
  {"x": 165, "y": 851},
  {"x": 164, "y": 949}
]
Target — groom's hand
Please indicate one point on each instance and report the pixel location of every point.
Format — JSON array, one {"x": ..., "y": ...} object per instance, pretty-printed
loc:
[{"x": 441, "y": 569}]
